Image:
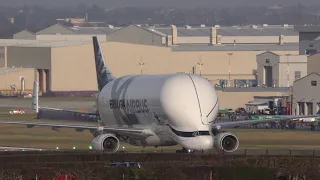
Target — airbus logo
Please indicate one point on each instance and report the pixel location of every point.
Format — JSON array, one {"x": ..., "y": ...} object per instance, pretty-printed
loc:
[{"x": 131, "y": 106}]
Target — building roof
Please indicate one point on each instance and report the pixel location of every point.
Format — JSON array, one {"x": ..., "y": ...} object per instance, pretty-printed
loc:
[
  {"x": 232, "y": 31},
  {"x": 283, "y": 55},
  {"x": 143, "y": 28},
  {"x": 38, "y": 43},
  {"x": 184, "y": 47},
  {"x": 271, "y": 30},
  {"x": 61, "y": 29},
  {"x": 93, "y": 30},
  {"x": 307, "y": 28},
  {"x": 268, "y": 52},
  {"x": 267, "y": 97},
  {"x": 317, "y": 53},
  {"x": 26, "y": 30},
  {"x": 256, "y": 103},
  {"x": 314, "y": 73},
  {"x": 155, "y": 31},
  {"x": 238, "y": 47}
]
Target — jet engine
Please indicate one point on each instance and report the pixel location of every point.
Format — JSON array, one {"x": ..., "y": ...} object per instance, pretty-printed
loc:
[
  {"x": 106, "y": 142},
  {"x": 226, "y": 141}
]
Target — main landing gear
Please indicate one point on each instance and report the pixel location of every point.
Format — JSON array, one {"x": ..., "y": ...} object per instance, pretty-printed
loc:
[{"x": 184, "y": 150}]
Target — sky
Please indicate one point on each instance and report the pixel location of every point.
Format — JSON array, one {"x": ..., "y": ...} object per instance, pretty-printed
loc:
[{"x": 148, "y": 3}]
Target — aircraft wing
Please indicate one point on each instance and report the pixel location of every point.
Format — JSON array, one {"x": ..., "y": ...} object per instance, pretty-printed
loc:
[
  {"x": 65, "y": 110},
  {"x": 36, "y": 107},
  {"x": 258, "y": 121},
  {"x": 137, "y": 132}
]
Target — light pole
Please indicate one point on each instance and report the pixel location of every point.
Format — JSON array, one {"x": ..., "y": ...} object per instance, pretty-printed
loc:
[
  {"x": 288, "y": 76},
  {"x": 230, "y": 54},
  {"x": 141, "y": 65},
  {"x": 200, "y": 64}
]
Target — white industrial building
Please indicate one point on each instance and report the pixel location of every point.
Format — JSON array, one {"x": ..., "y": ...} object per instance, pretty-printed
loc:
[
  {"x": 313, "y": 63},
  {"x": 306, "y": 95},
  {"x": 306, "y": 91},
  {"x": 274, "y": 70},
  {"x": 309, "y": 39}
]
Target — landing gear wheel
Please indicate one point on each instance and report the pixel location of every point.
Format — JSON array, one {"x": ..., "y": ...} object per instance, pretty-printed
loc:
[{"x": 184, "y": 150}]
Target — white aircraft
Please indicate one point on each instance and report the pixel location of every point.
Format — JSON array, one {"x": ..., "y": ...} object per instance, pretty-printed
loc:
[{"x": 154, "y": 110}]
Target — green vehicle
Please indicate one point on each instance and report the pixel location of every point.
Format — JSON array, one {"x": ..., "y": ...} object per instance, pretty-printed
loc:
[
  {"x": 318, "y": 119},
  {"x": 257, "y": 117},
  {"x": 222, "y": 112}
]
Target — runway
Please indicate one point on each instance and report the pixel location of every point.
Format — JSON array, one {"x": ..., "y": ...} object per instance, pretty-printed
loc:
[
  {"x": 26, "y": 103},
  {"x": 3, "y": 148}
]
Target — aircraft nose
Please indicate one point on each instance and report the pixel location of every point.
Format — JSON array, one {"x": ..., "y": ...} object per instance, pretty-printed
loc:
[{"x": 206, "y": 142}]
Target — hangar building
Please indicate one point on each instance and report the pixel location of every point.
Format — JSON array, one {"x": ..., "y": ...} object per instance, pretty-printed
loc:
[
  {"x": 313, "y": 63},
  {"x": 63, "y": 62},
  {"x": 274, "y": 70},
  {"x": 239, "y": 97},
  {"x": 306, "y": 97},
  {"x": 309, "y": 39},
  {"x": 266, "y": 34},
  {"x": 59, "y": 32}
]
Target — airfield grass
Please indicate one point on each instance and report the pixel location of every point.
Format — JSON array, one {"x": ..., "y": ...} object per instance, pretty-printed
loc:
[
  {"x": 54, "y": 99},
  {"x": 65, "y": 138}
]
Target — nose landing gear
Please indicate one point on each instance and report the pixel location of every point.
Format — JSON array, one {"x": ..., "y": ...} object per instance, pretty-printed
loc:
[{"x": 184, "y": 150}]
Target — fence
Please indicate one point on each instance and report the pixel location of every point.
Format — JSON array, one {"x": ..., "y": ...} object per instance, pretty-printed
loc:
[
  {"x": 11, "y": 93},
  {"x": 244, "y": 152},
  {"x": 82, "y": 163},
  {"x": 92, "y": 164},
  {"x": 91, "y": 155}
]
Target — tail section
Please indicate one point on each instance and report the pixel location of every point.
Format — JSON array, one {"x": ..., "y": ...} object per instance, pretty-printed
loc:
[
  {"x": 35, "y": 97},
  {"x": 103, "y": 74}
]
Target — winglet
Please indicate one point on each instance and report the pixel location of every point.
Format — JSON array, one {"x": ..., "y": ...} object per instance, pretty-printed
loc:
[
  {"x": 103, "y": 74},
  {"x": 35, "y": 97}
]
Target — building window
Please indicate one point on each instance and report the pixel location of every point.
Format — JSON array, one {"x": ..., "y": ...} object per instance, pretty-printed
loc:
[
  {"x": 297, "y": 75},
  {"x": 1, "y": 56},
  {"x": 310, "y": 51},
  {"x": 313, "y": 83},
  {"x": 267, "y": 61},
  {"x": 310, "y": 108},
  {"x": 310, "y": 45}
]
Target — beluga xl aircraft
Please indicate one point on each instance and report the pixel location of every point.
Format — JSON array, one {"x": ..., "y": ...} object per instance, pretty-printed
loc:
[{"x": 154, "y": 110}]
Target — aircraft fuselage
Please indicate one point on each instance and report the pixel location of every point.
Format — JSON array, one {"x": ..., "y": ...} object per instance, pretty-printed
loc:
[{"x": 177, "y": 108}]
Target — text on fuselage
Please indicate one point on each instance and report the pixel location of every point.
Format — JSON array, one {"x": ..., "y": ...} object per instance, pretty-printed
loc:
[{"x": 130, "y": 105}]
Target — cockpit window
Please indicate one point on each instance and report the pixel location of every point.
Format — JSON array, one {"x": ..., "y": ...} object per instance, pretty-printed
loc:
[
  {"x": 204, "y": 133},
  {"x": 213, "y": 108}
]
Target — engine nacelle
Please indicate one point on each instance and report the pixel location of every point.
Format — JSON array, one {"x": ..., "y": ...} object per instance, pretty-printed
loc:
[
  {"x": 106, "y": 142},
  {"x": 226, "y": 141}
]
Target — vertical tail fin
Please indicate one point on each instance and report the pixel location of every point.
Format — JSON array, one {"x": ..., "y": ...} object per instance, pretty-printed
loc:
[
  {"x": 35, "y": 97},
  {"x": 103, "y": 74}
]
